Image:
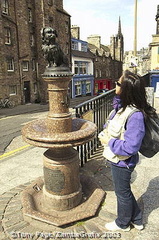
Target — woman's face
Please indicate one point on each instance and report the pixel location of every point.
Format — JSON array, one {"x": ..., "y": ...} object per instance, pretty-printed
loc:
[{"x": 118, "y": 86}]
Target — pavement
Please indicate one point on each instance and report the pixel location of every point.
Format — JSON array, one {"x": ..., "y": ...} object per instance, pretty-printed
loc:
[
  {"x": 22, "y": 109},
  {"x": 19, "y": 169},
  {"x": 37, "y": 107}
]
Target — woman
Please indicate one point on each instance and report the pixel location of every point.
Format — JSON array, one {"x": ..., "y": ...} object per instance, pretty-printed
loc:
[{"x": 122, "y": 139}]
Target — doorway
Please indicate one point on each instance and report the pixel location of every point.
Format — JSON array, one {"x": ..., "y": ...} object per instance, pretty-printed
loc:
[{"x": 27, "y": 92}]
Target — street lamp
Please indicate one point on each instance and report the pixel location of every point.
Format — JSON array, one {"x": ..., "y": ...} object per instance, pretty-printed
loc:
[
  {"x": 133, "y": 63},
  {"x": 135, "y": 29}
]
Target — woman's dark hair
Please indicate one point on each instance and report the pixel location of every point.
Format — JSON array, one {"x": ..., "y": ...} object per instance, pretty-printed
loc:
[{"x": 133, "y": 93}]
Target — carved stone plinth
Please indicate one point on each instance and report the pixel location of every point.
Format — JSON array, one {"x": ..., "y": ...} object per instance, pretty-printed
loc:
[
  {"x": 62, "y": 189},
  {"x": 33, "y": 200}
]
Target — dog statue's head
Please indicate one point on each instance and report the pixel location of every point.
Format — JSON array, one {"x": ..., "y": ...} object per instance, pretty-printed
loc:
[{"x": 48, "y": 35}]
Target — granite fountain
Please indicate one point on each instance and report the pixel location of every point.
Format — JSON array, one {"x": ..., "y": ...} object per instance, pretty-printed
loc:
[{"x": 63, "y": 195}]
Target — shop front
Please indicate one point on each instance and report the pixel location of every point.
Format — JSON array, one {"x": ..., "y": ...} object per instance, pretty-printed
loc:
[
  {"x": 82, "y": 86},
  {"x": 101, "y": 84}
]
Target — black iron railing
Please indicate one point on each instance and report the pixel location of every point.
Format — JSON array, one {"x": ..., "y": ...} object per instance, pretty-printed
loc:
[{"x": 95, "y": 110}]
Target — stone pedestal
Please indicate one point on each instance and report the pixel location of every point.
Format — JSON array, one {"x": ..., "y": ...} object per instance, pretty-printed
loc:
[
  {"x": 63, "y": 196},
  {"x": 59, "y": 119},
  {"x": 62, "y": 188}
]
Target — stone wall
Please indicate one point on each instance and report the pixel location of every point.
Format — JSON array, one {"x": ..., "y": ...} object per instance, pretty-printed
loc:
[
  {"x": 43, "y": 14},
  {"x": 8, "y": 51}
]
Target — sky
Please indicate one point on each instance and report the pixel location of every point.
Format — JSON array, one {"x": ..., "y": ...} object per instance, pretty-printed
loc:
[{"x": 101, "y": 17}]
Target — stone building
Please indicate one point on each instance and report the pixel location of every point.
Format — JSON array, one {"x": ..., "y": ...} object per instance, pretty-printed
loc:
[
  {"x": 117, "y": 45},
  {"x": 141, "y": 62},
  {"x": 108, "y": 60},
  {"x": 21, "y": 57},
  {"x": 154, "y": 45},
  {"x": 102, "y": 63},
  {"x": 82, "y": 66}
]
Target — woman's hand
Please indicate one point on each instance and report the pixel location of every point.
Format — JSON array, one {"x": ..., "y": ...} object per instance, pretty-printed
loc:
[{"x": 103, "y": 137}]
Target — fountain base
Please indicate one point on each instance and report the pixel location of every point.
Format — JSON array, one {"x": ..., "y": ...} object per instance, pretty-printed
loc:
[{"x": 34, "y": 209}]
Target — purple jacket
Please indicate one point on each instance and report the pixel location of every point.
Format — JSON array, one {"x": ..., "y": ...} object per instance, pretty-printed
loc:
[{"x": 134, "y": 133}]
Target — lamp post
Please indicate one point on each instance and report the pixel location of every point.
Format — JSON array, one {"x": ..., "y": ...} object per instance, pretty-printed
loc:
[
  {"x": 135, "y": 33},
  {"x": 135, "y": 28}
]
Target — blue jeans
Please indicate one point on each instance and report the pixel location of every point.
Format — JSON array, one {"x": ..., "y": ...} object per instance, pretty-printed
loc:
[{"x": 127, "y": 207}]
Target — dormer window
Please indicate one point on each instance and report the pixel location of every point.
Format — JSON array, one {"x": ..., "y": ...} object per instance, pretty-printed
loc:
[
  {"x": 84, "y": 47},
  {"x": 74, "y": 45}
]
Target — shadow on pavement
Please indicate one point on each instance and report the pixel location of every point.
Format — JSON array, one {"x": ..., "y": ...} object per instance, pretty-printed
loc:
[{"x": 151, "y": 199}]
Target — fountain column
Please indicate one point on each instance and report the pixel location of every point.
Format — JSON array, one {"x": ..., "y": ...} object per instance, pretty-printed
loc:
[
  {"x": 62, "y": 189},
  {"x": 61, "y": 196}
]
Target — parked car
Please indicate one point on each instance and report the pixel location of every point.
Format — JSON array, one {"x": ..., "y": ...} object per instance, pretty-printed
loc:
[{"x": 101, "y": 91}]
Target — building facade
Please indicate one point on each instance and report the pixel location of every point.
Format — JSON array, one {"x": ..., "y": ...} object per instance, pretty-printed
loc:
[
  {"x": 154, "y": 45},
  {"x": 102, "y": 64},
  {"x": 108, "y": 60},
  {"x": 82, "y": 66},
  {"x": 93, "y": 62},
  {"x": 141, "y": 62},
  {"x": 22, "y": 62}
]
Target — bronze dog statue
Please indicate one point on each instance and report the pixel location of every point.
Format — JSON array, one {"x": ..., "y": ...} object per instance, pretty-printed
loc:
[{"x": 52, "y": 51}]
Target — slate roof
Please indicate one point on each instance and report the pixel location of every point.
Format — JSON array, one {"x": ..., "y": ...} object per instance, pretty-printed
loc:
[{"x": 87, "y": 54}]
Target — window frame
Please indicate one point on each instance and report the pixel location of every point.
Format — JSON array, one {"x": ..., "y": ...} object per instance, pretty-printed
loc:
[
  {"x": 88, "y": 86},
  {"x": 83, "y": 47},
  {"x": 27, "y": 66},
  {"x": 5, "y": 7},
  {"x": 7, "y": 36},
  {"x": 81, "y": 68},
  {"x": 78, "y": 88},
  {"x": 32, "y": 40},
  {"x": 10, "y": 65},
  {"x": 74, "y": 45},
  {"x": 30, "y": 15},
  {"x": 33, "y": 65},
  {"x": 14, "y": 88}
]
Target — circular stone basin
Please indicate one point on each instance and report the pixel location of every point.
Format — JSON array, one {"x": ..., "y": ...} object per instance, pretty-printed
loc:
[{"x": 37, "y": 133}]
